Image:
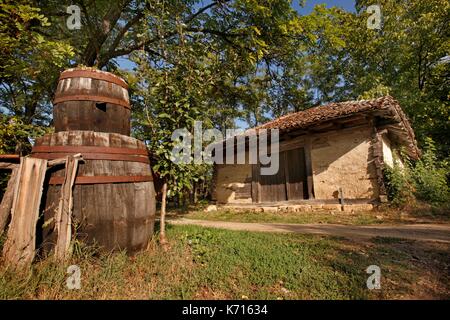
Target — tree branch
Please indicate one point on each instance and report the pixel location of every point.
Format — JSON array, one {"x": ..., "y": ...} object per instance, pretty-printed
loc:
[
  {"x": 111, "y": 17},
  {"x": 122, "y": 32}
]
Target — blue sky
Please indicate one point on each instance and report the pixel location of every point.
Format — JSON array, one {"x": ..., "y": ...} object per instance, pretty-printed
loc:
[{"x": 348, "y": 5}]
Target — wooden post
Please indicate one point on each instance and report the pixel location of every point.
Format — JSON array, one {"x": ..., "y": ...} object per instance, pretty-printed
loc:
[
  {"x": 162, "y": 221},
  {"x": 256, "y": 187},
  {"x": 63, "y": 217},
  {"x": 19, "y": 249},
  {"x": 308, "y": 167},
  {"x": 286, "y": 174},
  {"x": 7, "y": 201},
  {"x": 378, "y": 161},
  {"x": 341, "y": 198}
]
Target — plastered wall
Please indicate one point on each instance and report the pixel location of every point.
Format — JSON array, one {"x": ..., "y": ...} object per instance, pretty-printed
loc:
[
  {"x": 231, "y": 178},
  {"x": 343, "y": 159},
  {"x": 339, "y": 159}
]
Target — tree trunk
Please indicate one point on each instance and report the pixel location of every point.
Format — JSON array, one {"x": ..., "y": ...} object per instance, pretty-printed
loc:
[
  {"x": 162, "y": 233},
  {"x": 195, "y": 195}
]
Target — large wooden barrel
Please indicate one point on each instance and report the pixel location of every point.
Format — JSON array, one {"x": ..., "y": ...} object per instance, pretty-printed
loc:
[
  {"x": 113, "y": 197},
  {"x": 88, "y": 99}
]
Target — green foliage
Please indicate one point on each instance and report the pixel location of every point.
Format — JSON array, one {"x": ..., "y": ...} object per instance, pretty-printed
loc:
[
  {"x": 31, "y": 61},
  {"x": 407, "y": 58},
  {"x": 431, "y": 176},
  {"x": 15, "y": 135},
  {"x": 24, "y": 47},
  {"x": 235, "y": 265},
  {"x": 15, "y": 138},
  {"x": 399, "y": 185},
  {"x": 427, "y": 179},
  {"x": 215, "y": 69},
  {"x": 232, "y": 60}
]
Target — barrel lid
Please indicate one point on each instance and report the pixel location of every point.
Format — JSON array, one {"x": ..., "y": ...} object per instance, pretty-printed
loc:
[{"x": 93, "y": 74}]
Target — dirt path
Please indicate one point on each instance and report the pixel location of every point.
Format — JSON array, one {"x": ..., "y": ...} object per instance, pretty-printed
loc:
[{"x": 421, "y": 232}]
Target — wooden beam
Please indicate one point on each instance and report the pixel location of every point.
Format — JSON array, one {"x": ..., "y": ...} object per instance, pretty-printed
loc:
[
  {"x": 341, "y": 198},
  {"x": 256, "y": 188},
  {"x": 63, "y": 216},
  {"x": 8, "y": 166},
  {"x": 377, "y": 154},
  {"x": 61, "y": 161},
  {"x": 19, "y": 249},
  {"x": 309, "y": 172},
  {"x": 7, "y": 201},
  {"x": 51, "y": 163},
  {"x": 286, "y": 173},
  {"x": 10, "y": 157},
  {"x": 292, "y": 143}
]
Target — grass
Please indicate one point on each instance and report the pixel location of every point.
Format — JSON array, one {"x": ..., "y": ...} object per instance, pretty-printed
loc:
[
  {"x": 205, "y": 263},
  {"x": 385, "y": 216}
]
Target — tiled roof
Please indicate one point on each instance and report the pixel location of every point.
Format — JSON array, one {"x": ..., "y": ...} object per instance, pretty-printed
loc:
[
  {"x": 384, "y": 107},
  {"x": 315, "y": 115}
]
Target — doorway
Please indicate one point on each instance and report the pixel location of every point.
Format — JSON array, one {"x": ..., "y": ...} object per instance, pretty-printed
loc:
[{"x": 289, "y": 183}]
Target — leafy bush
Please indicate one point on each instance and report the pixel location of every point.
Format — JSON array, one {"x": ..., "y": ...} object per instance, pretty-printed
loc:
[
  {"x": 15, "y": 135},
  {"x": 15, "y": 138},
  {"x": 399, "y": 185},
  {"x": 427, "y": 179},
  {"x": 430, "y": 176}
]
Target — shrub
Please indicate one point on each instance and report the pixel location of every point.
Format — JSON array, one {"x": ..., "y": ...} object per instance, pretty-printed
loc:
[
  {"x": 430, "y": 176},
  {"x": 399, "y": 185},
  {"x": 425, "y": 180}
]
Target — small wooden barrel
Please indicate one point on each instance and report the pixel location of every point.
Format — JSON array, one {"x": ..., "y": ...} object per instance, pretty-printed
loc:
[
  {"x": 113, "y": 196},
  {"x": 88, "y": 99}
]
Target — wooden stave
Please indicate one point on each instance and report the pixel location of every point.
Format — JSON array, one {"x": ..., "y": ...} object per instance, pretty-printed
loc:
[
  {"x": 82, "y": 103},
  {"x": 85, "y": 115},
  {"x": 134, "y": 203},
  {"x": 94, "y": 74}
]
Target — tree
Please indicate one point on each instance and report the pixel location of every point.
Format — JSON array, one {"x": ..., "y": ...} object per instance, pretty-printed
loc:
[
  {"x": 407, "y": 58},
  {"x": 212, "y": 65},
  {"x": 28, "y": 58}
]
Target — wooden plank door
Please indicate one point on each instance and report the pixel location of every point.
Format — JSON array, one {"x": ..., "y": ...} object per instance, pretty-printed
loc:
[
  {"x": 289, "y": 183},
  {"x": 295, "y": 172},
  {"x": 273, "y": 187}
]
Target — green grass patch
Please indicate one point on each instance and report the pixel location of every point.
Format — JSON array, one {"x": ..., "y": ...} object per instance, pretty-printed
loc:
[
  {"x": 386, "y": 216},
  {"x": 359, "y": 218},
  {"x": 205, "y": 263}
]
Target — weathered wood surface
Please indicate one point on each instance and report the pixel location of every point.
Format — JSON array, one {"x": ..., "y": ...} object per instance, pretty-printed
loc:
[
  {"x": 63, "y": 220},
  {"x": 19, "y": 248},
  {"x": 296, "y": 182},
  {"x": 308, "y": 168},
  {"x": 273, "y": 187},
  {"x": 244, "y": 192},
  {"x": 8, "y": 197},
  {"x": 256, "y": 186},
  {"x": 104, "y": 108},
  {"x": 289, "y": 183},
  {"x": 377, "y": 158},
  {"x": 8, "y": 166},
  {"x": 119, "y": 215},
  {"x": 9, "y": 157},
  {"x": 7, "y": 200}
]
